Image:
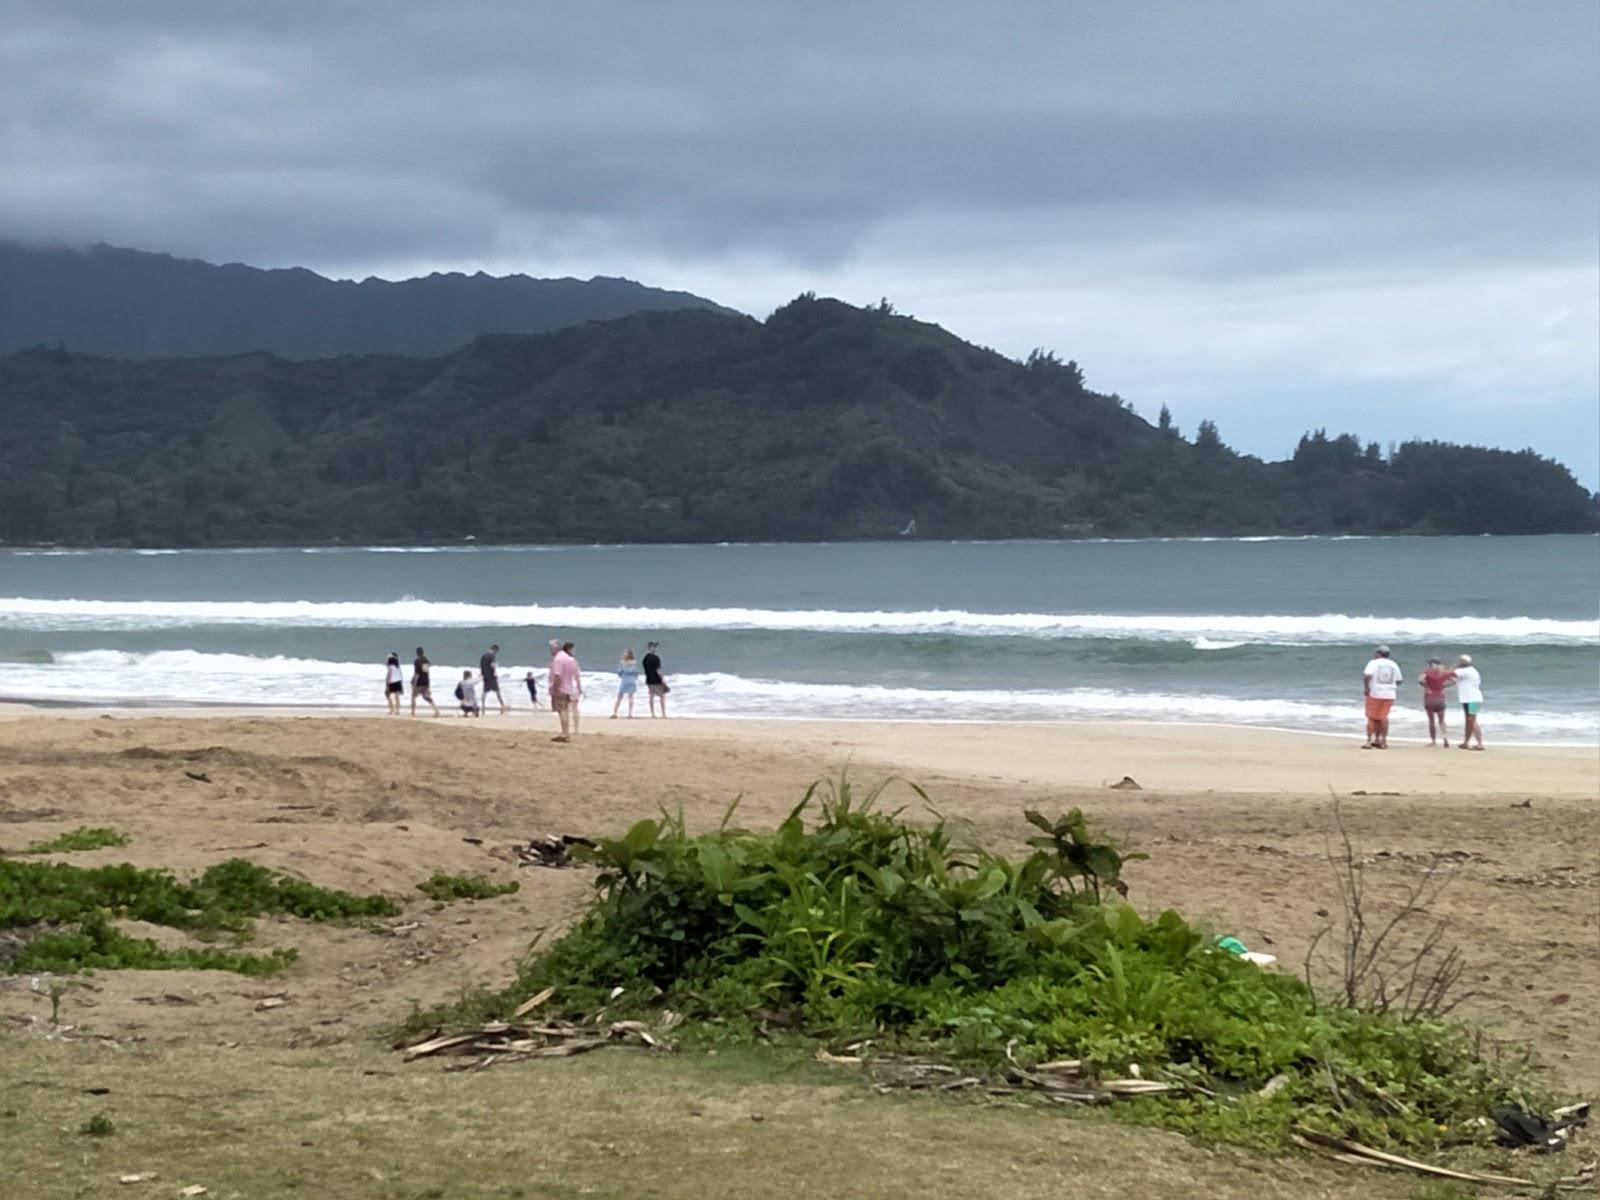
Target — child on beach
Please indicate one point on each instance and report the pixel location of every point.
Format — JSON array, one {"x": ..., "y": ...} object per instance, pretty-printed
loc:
[
  {"x": 627, "y": 682},
  {"x": 533, "y": 689},
  {"x": 467, "y": 693},
  {"x": 394, "y": 683}
]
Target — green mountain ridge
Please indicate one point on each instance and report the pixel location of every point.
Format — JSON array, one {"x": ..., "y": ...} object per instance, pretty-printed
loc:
[
  {"x": 124, "y": 303},
  {"x": 823, "y": 422}
]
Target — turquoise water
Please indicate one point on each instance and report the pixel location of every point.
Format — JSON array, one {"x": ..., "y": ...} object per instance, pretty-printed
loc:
[{"x": 1268, "y": 632}]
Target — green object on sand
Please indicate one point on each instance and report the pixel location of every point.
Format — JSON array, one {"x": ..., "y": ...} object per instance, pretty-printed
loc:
[{"x": 1231, "y": 944}]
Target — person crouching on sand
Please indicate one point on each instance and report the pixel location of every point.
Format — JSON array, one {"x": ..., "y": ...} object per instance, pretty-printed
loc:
[
  {"x": 1469, "y": 691},
  {"x": 467, "y": 693},
  {"x": 1433, "y": 683},
  {"x": 1380, "y": 681},
  {"x": 566, "y": 688},
  {"x": 627, "y": 682},
  {"x": 394, "y": 685}
]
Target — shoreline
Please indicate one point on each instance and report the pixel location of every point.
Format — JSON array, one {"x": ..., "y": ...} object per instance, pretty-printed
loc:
[{"x": 12, "y": 708}]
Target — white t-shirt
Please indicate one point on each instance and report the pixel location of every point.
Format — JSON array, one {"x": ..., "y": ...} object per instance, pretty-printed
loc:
[
  {"x": 1469, "y": 685},
  {"x": 1384, "y": 676},
  {"x": 396, "y": 675}
]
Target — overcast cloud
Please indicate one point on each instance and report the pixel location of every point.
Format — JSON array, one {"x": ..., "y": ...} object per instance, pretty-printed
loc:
[{"x": 1368, "y": 216}]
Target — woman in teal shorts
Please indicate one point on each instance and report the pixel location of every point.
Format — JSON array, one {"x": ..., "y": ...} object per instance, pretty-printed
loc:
[{"x": 627, "y": 683}]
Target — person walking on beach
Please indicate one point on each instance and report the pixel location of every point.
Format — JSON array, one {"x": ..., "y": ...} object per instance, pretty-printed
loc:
[
  {"x": 1433, "y": 683},
  {"x": 566, "y": 687},
  {"x": 1469, "y": 691},
  {"x": 533, "y": 689},
  {"x": 627, "y": 682},
  {"x": 489, "y": 672},
  {"x": 654, "y": 682},
  {"x": 420, "y": 668},
  {"x": 394, "y": 685},
  {"x": 1380, "y": 681},
  {"x": 467, "y": 693}
]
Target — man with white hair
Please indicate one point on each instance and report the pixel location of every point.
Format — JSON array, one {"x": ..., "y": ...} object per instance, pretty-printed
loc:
[
  {"x": 1380, "y": 681},
  {"x": 1469, "y": 690}
]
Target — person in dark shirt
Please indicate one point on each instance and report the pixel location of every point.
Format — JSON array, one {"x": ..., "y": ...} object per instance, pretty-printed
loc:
[
  {"x": 491, "y": 680},
  {"x": 420, "y": 686},
  {"x": 533, "y": 689},
  {"x": 654, "y": 682}
]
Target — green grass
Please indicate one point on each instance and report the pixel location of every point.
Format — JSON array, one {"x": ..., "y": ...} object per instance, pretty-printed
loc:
[
  {"x": 348, "y": 1121},
  {"x": 69, "y": 910},
  {"x": 83, "y": 838},
  {"x": 863, "y": 926},
  {"x": 443, "y": 887}
]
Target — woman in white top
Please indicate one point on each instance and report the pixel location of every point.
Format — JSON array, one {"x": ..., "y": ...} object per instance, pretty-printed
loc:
[
  {"x": 1469, "y": 690},
  {"x": 394, "y": 683}
]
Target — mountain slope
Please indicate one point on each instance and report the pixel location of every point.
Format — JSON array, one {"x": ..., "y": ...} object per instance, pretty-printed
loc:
[
  {"x": 825, "y": 421},
  {"x": 130, "y": 304}
]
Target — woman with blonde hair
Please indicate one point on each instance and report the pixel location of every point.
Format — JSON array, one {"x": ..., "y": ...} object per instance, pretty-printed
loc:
[{"x": 627, "y": 682}]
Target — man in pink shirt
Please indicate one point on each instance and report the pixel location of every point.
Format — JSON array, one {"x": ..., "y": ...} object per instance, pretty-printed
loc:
[{"x": 565, "y": 688}]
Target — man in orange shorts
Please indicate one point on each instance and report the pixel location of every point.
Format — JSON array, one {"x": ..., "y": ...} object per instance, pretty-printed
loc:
[{"x": 1380, "y": 680}]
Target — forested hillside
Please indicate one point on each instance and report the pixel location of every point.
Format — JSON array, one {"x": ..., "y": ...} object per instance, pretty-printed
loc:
[
  {"x": 132, "y": 304},
  {"x": 825, "y": 421}
]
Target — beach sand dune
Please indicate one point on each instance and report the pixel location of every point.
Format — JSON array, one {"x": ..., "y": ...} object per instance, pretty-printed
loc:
[{"x": 1236, "y": 823}]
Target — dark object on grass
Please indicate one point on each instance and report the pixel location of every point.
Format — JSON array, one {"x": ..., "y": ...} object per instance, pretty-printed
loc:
[
  {"x": 550, "y": 851},
  {"x": 1516, "y": 1128},
  {"x": 198, "y": 776}
]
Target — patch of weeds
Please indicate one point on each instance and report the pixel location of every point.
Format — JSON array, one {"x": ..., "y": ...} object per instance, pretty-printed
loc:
[
  {"x": 83, "y": 838},
  {"x": 98, "y": 1125},
  {"x": 96, "y": 944},
  {"x": 443, "y": 887},
  {"x": 65, "y": 914},
  {"x": 863, "y": 926}
]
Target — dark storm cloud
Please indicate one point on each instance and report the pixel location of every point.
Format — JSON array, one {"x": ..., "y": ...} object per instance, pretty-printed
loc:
[{"x": 1267, "y": 161}]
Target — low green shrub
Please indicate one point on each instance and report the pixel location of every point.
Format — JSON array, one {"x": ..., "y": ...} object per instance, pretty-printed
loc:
[
  {"x": 69, "y": 909},
  {"x": 443, "y": 887},
  {"x": 83, "y": 838},
  {"x": 864, "y": 926},
  {"x": 98, "y": 1125}
]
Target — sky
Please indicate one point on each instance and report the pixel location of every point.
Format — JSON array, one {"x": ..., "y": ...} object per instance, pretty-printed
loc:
[{"x": 1375, "y": 217}]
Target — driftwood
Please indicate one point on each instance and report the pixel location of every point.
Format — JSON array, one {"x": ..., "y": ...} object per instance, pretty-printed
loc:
[
  {"x": 514, "y": 1041},
  {"x": 1060, "y": 1082},
  {"x": 1355, "y": 1152}
]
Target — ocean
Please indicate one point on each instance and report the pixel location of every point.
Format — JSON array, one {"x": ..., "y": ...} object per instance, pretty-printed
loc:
[{"x": 1249, "y": 631}]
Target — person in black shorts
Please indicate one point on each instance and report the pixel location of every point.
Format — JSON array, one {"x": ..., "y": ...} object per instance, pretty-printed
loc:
[
  {"x": 491, "y": 680},
  {"x": 533, "y": 689},
  {"x": 653, "y": 681},
  {"x": 420, "y": 666},
  {"x": 394, "y": 683}
]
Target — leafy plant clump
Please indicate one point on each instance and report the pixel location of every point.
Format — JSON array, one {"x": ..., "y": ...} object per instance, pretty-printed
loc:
[
  {"x": 863, "y": 926},
  {"x": 69, "y": 910},
  {"x": 83, "y": 838},
  {"x": 98, "y": 1125},
  {"x": 443, "y": 887}
]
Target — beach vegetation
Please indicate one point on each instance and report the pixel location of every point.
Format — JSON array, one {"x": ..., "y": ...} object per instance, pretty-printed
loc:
[
  {"x": 60, "y": 917},
  {"x": 848, "y": 927},
  {"x": 85, "y": 837},
  {"x": 444, "y": 887}
]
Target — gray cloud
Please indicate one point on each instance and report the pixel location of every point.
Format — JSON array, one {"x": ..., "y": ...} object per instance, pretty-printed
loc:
[{"x": 1373, "y": 215}]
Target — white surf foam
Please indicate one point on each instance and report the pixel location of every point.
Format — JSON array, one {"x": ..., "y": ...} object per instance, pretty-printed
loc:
[
  {"x": 195, "y": 677},
  {"x": 411, "y": 613}
]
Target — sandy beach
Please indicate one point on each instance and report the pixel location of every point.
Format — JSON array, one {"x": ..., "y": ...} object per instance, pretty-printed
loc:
[{"x": 1236, "y": 823}]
